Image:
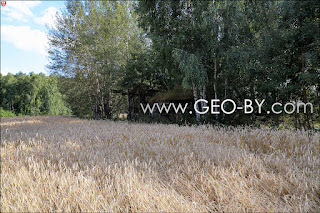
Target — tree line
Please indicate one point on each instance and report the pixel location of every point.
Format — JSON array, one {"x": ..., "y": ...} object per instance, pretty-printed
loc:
[
  {"x": 240, "y": 49},
  {"x": 111, "y": 56},
  {"x": 33, "y": 94}
]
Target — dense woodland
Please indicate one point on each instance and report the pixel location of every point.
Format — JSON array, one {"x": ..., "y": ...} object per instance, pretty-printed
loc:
[
  {"x": 107, "y": 57},
  {"x": 33, "y": 94}
]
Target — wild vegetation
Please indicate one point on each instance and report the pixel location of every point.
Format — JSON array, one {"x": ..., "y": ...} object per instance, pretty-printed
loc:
[
  {"x": 111, "y": 56},
  {"x": 33, "y": 94},
  {"x": 114, "y": 55},
  {"x": 67, "y": 164},
  {"x": 108, "y": 57}
]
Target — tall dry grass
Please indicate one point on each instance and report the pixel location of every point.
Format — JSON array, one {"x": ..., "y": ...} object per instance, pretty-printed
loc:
[{"x": 64, "y": 164}]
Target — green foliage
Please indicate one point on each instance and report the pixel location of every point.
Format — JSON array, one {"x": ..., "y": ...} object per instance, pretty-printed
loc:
[
  {"x": 194, "y": 72},
  {"x": 241, "y": 49},
  {"x": 89, "y": 47},
  {"x": 34, "y": 94},
  {"x": 111, "y": 56},
  {"x": 6, "y": 113}
]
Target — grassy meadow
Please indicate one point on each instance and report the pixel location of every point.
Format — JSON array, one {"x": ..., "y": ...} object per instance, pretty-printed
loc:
[{"x": 53, "y": 163}]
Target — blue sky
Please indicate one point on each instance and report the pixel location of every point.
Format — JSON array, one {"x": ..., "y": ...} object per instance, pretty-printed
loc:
[{"x": 23, "y": 35}]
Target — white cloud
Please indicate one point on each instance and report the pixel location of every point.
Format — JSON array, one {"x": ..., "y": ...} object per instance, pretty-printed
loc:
[
  {"x": 25, "y": 38},
  {"x": 19, "y": 10},
  {"x": 48, "y": 17}
]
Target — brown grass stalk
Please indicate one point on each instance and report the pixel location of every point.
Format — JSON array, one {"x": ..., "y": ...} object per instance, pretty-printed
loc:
[{"x": 67, "y": 164}]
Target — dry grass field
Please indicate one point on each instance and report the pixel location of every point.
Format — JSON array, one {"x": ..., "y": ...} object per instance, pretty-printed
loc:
[{"x": 68, "y": 164}]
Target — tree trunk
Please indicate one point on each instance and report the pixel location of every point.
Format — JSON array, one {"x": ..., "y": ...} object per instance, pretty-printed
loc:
[
  {"x": 96, "y": 108},
  {"x": 225, "y": 92},
  {"x": 97, "y": 99},
  {"x": 203, "y": 96},
  {"x": 306, "y": 122},
  {"x": 195, "y": 96},
  {"x": 215, "y": 86},
  {"x": 128, "y": 102},
  {"x": 107, "y": 107},
  {"x": 139, "y": 98}
]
